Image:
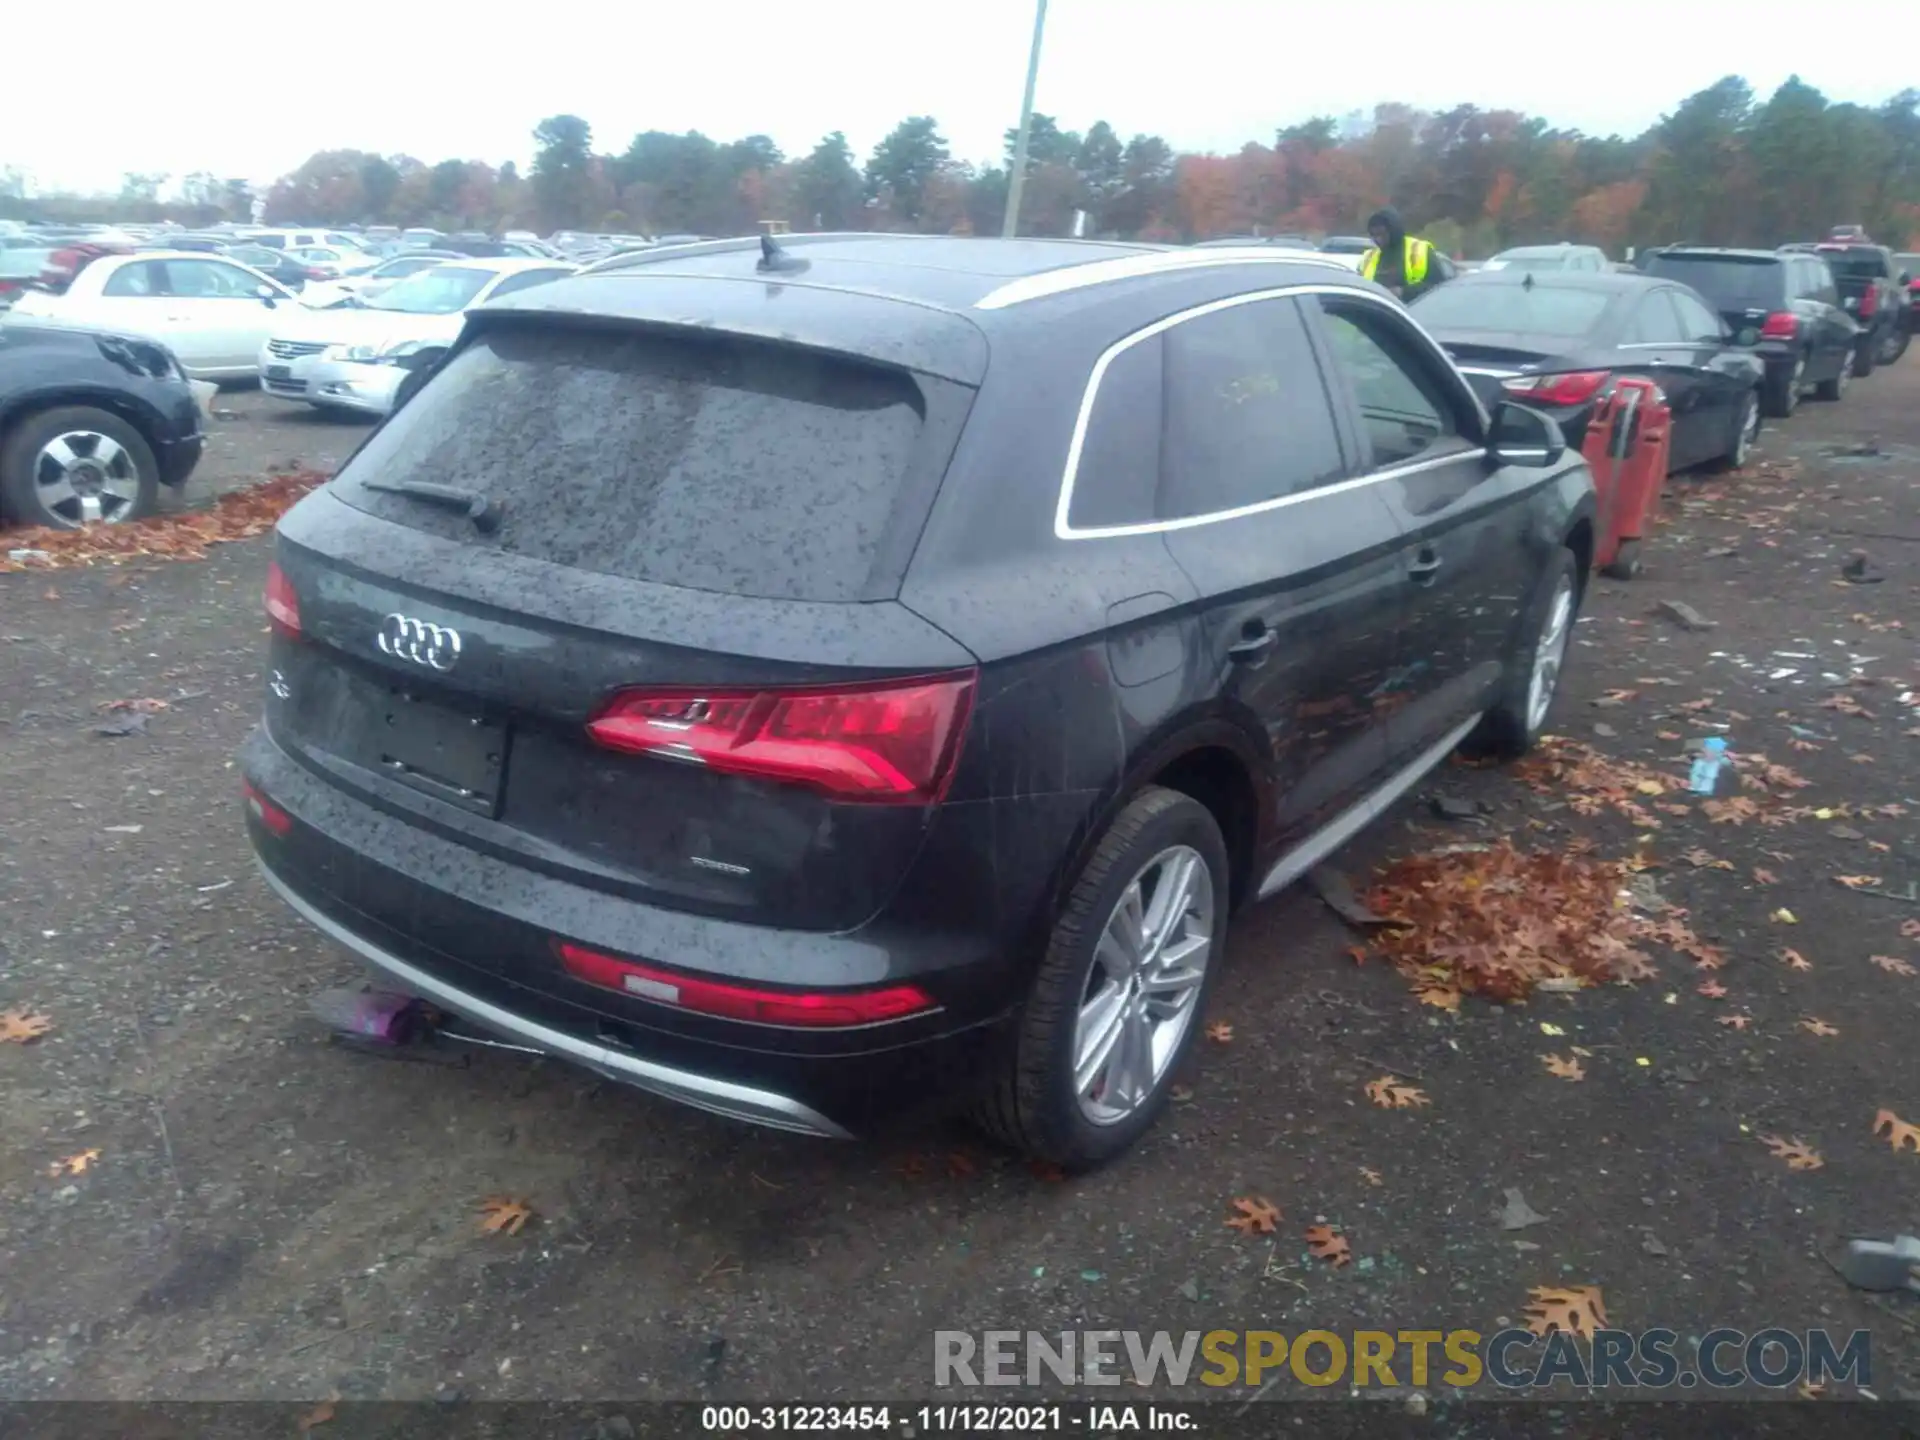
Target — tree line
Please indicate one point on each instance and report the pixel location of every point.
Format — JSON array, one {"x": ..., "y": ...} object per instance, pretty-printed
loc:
[{"x": 1723, "y": 167}]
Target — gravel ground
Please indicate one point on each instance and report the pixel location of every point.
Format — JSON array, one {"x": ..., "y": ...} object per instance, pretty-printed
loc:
[{"x": 270, "y": 1216}]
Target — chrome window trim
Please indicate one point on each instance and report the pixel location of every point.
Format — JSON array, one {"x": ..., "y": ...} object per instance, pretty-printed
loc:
[
  {"x": 1130, "y": 267},
  {"x": 1064, "y": 530}
]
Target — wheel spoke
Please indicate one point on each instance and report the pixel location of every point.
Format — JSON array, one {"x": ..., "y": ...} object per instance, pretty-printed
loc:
[
  {"x": 1102, "y": 1022},
  {"x": 108, "y": 452},
  {"x": 1130, "y": 1072},
  {"x": 1171, "y": 898},
  {"x": 89, "y": 508},
  {"x": 55, "y": 493},
  {"x": 59, "y": 451}
]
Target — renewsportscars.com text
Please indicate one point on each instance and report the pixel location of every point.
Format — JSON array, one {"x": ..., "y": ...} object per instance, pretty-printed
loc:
[{"x": 1511, "y": 1359}]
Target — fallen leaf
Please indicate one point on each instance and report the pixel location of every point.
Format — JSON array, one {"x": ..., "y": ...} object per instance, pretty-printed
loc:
[
  {"x": 1370, "y": 1175},
  {"x": 500, "y": 1215},
  {"x": 1046, "y": 1170},
  {"x": 1257, "y": 1215},
  {"x": 1389, "y": 1094},
  {"x": 1574, "y": 1308},
  {"x": 316, "y": 1417},
  {"x": 21, "y": 1026},
  {"x": 1547, "y": 1027},
  {"x": 1444, "y": 997},
  {"x": 1815, "y": 1026},
  {"x": 141, "y": 707},
  {"x": 960, "y": 1165},
  {"x": 1517, "y": 1214},
  {"x": 1325, "y": 1243},
  {"x": 1702, "y": 860},
  {"x": 1784, "y": 916},
  {"x": 1892, "y": 964},
  {"x": 1910, "y": 929},
  {"x": 1357, "y": 954},
  {"x": 1861, "y": 759},
  {"x": 1795, "y": 960},
  {"x": 1666, "y": 734},
  {"x": 1765, "y": 877},
  {"x": 1858, "y": 882},
  {"x": 1712, "y": 989},
  {"x": 1697, "y": 705},
  {"x": 1802, "y": 745},
  {"x": 1220, "y": 1031},
  {"x": 1651, "y": 787},
  {"x": 1564, "y": 1067},
  {"x": 1735, "y": 1022},
  {"x": 1899, "y": 1133},
  {"x": 1796, "y": 1152},
  {"x": 74, "y": 1164}
]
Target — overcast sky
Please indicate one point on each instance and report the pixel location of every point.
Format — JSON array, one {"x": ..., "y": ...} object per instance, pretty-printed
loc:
[{"x": 245, "y": 93}]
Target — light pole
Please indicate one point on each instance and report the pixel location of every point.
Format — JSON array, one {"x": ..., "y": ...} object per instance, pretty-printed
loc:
[{"x": 1017, "y": 182}]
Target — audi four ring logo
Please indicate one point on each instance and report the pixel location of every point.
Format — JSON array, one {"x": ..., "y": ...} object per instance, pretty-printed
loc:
[{"x": 435, "y": 646}]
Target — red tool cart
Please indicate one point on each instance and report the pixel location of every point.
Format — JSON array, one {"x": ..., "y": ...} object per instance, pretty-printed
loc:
[{"x": 1626, "y": 448}]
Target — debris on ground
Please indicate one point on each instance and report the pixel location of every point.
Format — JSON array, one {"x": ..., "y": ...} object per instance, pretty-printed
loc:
[
  {"x": 133, "y": 724},
  {"x": 1899, "y": 1133},
  {"x": 1683, "y": 615},
  {"x": 1326, "y": 1243},
  {"x": 1516, "y": 1214},
  {"x": 22, "y": 1026},
  {"x": 1336, "y": 891},
  {"x": 1858, "y": 570},
  {"x": 1882, "y": 1264},
  {"x": 187, "y": 535},
  {"x": 500, "y": 1215},
  {"x": 1575, "y": 1308},
  {"x": 1796, "y": 1152}
]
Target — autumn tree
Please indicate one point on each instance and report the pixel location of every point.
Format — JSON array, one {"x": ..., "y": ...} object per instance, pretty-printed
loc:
[
  {"x": 827, "y": 187},
  {"x": 563, "y": 171},
  {"x": 904, "y": 162}
]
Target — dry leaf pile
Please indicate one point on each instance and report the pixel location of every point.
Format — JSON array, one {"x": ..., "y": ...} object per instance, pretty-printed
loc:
[
  {"x": 1499, "y": 921},
  {"x": 237, "y": 515},
  {"x": 1593, "y": 782}
]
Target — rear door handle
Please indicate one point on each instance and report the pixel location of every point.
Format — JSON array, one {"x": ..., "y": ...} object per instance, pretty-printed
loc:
[
  {"x": 1425, "y": 565},
  {"x": 1257, "y": 638}
]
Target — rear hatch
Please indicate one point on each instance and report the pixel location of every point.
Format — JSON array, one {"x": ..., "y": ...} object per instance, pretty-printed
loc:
[
  {"x": 654, "y": 649},
  {"x": 1745, "y": 289},
  {"x": 1858, "y": 270}
]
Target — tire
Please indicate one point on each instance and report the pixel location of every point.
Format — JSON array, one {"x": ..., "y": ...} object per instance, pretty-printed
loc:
[
  {"x": 1626, "y": 562},
  {"x": 1746, "y": 430},
  {"x": 1836, "y": 388},
  {"x": 1866, "y": 354},
  {"x": 1895, "y": 345},
  {"x": 1780, "y": 392},
  {"x": 1510, "y": 729},
  {"x": 1033, "y": 1104},
  {"x": 76, "y": 465}
]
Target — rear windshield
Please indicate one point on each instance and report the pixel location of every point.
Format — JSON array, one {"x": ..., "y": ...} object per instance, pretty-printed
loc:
[
  {"x": 710, "y": 463},
  {"x": 1513, "y": 308},
  {"x": 1730, "y": 284},
  {"x": 1857, "y": 264}
]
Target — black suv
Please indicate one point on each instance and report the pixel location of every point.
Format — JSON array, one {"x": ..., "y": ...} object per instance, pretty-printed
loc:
[
  {"x": 91, "y": 425},
  {"x": 1873, "y": 288},
  {"x": 820, "y": 678},
  {"x": 1785, "y": 304}
]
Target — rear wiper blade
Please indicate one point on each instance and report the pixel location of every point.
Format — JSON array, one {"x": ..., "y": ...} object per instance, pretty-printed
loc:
[{"x": 480, "y": 509}]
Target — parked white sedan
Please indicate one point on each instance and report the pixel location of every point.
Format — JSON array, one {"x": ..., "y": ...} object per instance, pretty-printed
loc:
[
  {"x": 213, "y": 313},
  {"x": 355, "y": 356}
]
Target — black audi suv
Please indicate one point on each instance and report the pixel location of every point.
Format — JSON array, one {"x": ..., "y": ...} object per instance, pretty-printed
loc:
[{"x": 820, "y": 679}]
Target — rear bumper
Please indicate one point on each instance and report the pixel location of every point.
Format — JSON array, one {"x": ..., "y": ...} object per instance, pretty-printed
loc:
[
  {"x": 703, "y": 1092},
  {"x": 472, "y": 931}
]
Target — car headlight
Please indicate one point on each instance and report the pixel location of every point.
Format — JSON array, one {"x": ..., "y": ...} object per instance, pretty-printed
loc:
[{"x": 363, "y": 354}]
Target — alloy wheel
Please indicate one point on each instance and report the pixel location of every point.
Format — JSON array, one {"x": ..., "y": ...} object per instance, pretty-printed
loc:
[
  {"x": 1143, "y": 988},
  {"x": 84, "y": 476},
  {"x": 1549, "y": 653}
]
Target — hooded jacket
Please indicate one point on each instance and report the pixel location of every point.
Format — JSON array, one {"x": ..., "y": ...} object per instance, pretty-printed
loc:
[{"x": 1391, "y": 268}]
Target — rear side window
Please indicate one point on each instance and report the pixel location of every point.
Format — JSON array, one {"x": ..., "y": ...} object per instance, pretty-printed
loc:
[
  {"x": 1858, "y": 263},
  {"x": 1655, "y": 322},
  {"x": 1731, "y": 284},
  {"x": 705, "y": 462},
  {"x": 1246, "y": 417}
]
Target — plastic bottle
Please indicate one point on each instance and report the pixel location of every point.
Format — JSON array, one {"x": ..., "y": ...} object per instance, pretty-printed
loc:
[{"x": 1706, "y": 769}]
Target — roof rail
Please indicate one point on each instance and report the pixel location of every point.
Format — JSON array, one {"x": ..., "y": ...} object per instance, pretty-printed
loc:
[
  {"x": 1067, "y": 278},
  {"x": 737, "y": 245}
]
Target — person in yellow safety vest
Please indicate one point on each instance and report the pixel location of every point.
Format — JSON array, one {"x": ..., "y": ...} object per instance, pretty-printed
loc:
[{"x": 1403, "y": 263}]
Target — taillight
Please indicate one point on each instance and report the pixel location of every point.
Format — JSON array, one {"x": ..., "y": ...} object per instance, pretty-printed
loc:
[
  {"x": 1869, "y": 301},
  {"x": 314, "y": 272},
  {"x": 892, "y": 742},
  {"x": 739, "y": 1002},
  {"x": 1575, "y": 387},
  {"x": 1781, "y": 325},
  {"x": 264, "y": 810},
  {"x": 283, "y": 605}
]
